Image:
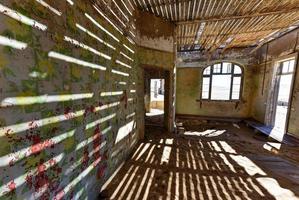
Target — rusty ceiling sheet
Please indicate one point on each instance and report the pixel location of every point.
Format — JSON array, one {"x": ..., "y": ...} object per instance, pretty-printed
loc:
[{"x": 205, "y": 24}]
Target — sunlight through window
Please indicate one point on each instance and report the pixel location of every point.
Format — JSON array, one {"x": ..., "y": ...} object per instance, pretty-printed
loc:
[
  {"x": 45, "y": 4},
  {"x": 101, "y": 27},
  {"x": 75, "y": 42},
  {"x": 94, "y": 36},
  {"x": 12, "y": 43},
  {"x": 21, "y": 18},
  {"x": 69, "y": 59},
  {"x": 17, "y": 101},
  {"x": 124, "y": 131}
]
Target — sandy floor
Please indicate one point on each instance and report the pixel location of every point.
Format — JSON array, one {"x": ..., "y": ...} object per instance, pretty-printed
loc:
[
  {"x": 207, "y": 161},
  {"x": 155, "y": 118}
]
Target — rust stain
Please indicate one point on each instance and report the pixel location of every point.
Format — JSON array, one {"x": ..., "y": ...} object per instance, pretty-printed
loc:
[{"x": 154, "y": 27}]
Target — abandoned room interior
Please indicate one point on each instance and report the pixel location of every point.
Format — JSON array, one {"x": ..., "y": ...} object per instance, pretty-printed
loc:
[{"x": 149, "y": 99}]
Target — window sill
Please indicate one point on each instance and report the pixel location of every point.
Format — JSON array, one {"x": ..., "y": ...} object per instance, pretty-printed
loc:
[{"x": 220, "y": 101}]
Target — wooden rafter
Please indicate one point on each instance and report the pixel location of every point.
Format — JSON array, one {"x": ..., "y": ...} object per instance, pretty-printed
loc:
[
  {"x": 229, "y": 23},
  {"x": 212, "y": 19}
]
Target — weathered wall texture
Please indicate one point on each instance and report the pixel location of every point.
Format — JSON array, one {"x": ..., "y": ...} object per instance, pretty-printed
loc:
[
  {"x": 203, "y": 58},
  {"x": 155, "y": 58},
  {"x": 263, "y": 73},
  {"x": 154, "y": 32},
  {"x": 70, "y": 117},
  {"x": 188, "y": 92},
  {"x": 156, "y": 46},
  {"x": 164, "y": 62}
]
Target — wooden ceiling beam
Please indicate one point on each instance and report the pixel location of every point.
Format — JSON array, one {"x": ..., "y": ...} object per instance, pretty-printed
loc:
[
  {"x": 240, "y": 33},
  {"x": 166, "y": 3},
  {"x": 213, "y": 19}
]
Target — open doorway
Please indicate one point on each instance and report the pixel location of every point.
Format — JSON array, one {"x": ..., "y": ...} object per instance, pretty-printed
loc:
[
  {"x": 282, "y": 96},
  {"x": 156, "y": 94},
  {"x": 157, "y": 87}
]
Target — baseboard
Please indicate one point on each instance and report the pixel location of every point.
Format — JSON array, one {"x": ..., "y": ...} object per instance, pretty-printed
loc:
[{"x": 214, "y": 118}]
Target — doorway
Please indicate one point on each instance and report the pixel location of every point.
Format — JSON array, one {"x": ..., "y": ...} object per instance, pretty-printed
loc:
[
  {"x": 156, "y": 95},
  {"x": 282, "y": 95}
]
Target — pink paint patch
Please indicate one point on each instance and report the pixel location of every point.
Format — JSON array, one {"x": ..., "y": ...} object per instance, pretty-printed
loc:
[
  {"x": 60, "y": 195},
  {"x": 41, "y": 168},
  {"x": 52, "y": 162},
  {"x": 41, "y": 146},
  {"x": 11, "y": 186}
]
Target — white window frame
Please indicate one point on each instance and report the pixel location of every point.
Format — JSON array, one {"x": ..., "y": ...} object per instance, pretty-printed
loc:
[{"x": 233, "y": 75}]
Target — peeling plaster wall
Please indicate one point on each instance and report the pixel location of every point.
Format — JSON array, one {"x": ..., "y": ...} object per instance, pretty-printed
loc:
[
  {"x": 161, "y": 61},
  {"x": 202, "y": 58},
  {"x": 154, "y": 32},
  {"x": 76, "y": 122},
  {"x": 279, "y": 48},
  {"x": 156, "y": 51}
]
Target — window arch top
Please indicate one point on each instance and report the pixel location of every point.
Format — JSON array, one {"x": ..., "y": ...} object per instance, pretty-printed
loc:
[{"x": 222, "y": 81}]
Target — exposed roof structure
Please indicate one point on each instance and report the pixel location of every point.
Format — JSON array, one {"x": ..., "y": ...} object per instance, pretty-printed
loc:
[{"x": 212, "y": 24}]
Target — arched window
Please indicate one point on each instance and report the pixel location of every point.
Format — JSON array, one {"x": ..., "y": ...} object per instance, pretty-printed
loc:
[{"x": 222, "y": 81}]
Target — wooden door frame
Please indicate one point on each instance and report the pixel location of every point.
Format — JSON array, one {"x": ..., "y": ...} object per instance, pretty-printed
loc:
[
  {"x": 272, "y": 99},
  {"x": 167, "y": 95}
]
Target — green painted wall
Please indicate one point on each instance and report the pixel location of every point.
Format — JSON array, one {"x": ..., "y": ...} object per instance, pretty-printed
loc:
[
  {"x": 155, "y": 58},
  {"x": 65, "y": 124}
]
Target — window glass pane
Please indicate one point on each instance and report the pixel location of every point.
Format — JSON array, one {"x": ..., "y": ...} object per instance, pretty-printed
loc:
[
  {"x": 237, "y": 70},
  {"x": 227, "y": 68},
  {"x": 217, "y": 68},
  {"x": 205, "y": 88},
  {"x": 285, "y": 82},
  {"x": 292, "y": 66},
  {"x": 235, "y": 95},
  {"x": 285, "y": 67},
  {"x": 207, "y": 71},
  {"x": 236, "y": 88},
  {"x": 237, "y": 81},
  {"x": 221, "y": 87},
  {"x": 205, "y": 95}
]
